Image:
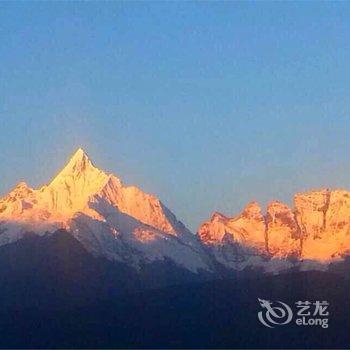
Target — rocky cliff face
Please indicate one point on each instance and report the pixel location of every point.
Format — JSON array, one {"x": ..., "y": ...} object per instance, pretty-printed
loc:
[
  {"x": 324, "y": 219},
  {"x": 248, "y": 228},
  {"x": 317, "y": 228},
  {"x": 282, "y": 231}
]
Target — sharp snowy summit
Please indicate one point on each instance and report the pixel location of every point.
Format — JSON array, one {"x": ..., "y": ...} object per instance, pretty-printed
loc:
[
  {"x": 109, "y": 219},
  {"x": 125, "y": 224}
]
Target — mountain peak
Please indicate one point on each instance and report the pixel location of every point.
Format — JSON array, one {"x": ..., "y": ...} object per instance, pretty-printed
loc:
[
  {"x": 21, "y": 190},
  {"x": 78, "y": 165},
  {"x": 79, "y": 162},
  {"x": 217, "y": 216},
  {"x": 22, "y": 185},
  {"x": 80, "y": 153},
  {"x": 75, "y": 183}
]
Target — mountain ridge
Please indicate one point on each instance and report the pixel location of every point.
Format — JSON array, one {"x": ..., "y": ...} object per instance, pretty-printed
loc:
[
  {"x": 124, "y": 223},
  {"x": 316, "y": 229}
]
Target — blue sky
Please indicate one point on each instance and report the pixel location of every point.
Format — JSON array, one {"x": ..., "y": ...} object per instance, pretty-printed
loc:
[{"x": 209, "y": 105}]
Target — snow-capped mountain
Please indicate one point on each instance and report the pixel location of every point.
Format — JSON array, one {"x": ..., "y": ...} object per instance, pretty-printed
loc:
[
  {"x": 125, "y": 224},
  {"x": 110, "y": 219},
  {"x": 311, "y": 235}
]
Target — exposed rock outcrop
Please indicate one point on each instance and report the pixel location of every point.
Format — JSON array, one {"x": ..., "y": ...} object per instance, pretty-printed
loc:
[{"x": 318, "y": 228}]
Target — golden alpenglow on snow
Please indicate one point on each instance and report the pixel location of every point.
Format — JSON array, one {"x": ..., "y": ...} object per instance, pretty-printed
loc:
[{"x": 126, "y": 224}]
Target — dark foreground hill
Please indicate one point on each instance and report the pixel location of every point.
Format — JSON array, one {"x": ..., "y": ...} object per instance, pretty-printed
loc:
[{"x": 56, "y": 295}]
